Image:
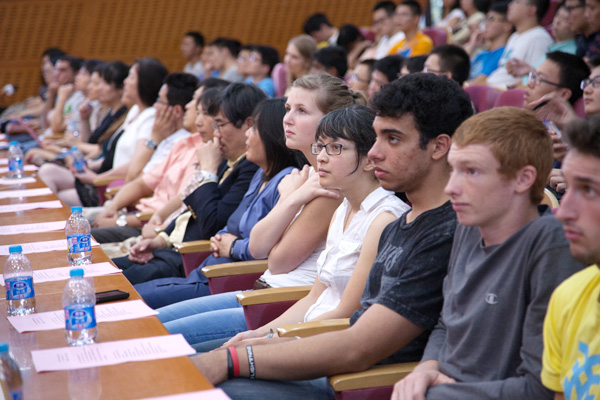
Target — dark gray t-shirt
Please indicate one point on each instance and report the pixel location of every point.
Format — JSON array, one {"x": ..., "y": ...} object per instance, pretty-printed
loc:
[
  {"x": 489, "y": 337},
  {"x": 408, "y": 273}
]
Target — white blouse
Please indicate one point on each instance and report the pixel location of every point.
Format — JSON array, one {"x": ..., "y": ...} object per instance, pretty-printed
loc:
[{"x": 138, "y": 128}]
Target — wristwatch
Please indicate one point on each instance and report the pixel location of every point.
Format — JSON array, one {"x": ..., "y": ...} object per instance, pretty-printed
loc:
[
  {"x": 151, "y": 144},
  {"x": 122, "y": 220}
]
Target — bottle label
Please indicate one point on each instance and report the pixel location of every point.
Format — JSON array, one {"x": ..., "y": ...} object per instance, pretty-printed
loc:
[
  {"x": 80, "y": 316},
  {"x": 19, "y": 288},
  {"x": 79, "y": 164},
  {"x": 15, "y": 164},
  {"x": 79, "y": 242},
  {"x": 16, "y": 395}
]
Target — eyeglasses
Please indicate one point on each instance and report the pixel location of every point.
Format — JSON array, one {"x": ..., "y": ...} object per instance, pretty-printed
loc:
[
  {"x": 524, "y": 2},
  {"x": 255, "y": 58},
  {"x": 537, "y": 80},
  {"x": 332, "y": 149},
  {"x": 594, "y": 81},
  {"x": 494, "y": 19},
  {"x": 355, "y": 77},
  {"x": 380, "y": 20},
  {"x": 217, "y": 127},
  {"x": 571, "y": 8}
]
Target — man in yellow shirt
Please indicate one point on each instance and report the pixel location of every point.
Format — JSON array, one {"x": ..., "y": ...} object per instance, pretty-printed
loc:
[
  {"x": 571, "y": 361},
  {"x": 415, "y": 42}
]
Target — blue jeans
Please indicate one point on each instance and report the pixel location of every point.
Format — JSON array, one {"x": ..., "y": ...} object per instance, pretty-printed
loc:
[
  {"x": 245, "y": 389},
  {"x": 206, "y": 318}
]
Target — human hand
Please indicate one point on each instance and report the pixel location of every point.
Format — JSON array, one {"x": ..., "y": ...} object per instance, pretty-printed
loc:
[
  {"x": 556, "y": 180},
  {"x": 213, "y": 365},
  {"x": 209, "y": 156},
  {"x": 517, "y": 68},
  {"x": 414, "y": 385},
  {"x": 85, "y": 110},
  {"x": 164, "y": 123},
  {"x": 53, "y": 87},
  {"x": 87, "y": 176},
  {"x": 559, "y": 147},
  {"x": 65, "y": 91},
  {"x": 220, "y": 244},
  {"x": 554, "y": 108},
  {"x": 148, "y": 230},
  {"x": 310, "y": 190},
  {"x": 142, "y": 252},
  {"x": 292, "y": 181},
  {"x": 105, "y": 221},
  {"x": 241, "y": 336}
]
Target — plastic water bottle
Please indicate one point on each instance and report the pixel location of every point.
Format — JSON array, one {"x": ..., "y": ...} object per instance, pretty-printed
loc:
[
  {"x": 18, "y": 279},
  {"x": 78, "y": 160},
  {"x": 79, "y": 300},
  {"x": 10, "y": 374},
  {"x": 15, "y": 161},
  {"x": 79, "y": 238}
]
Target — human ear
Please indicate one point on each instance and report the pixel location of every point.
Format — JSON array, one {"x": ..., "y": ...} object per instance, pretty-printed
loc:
[
  {"x": 441, "y": 145},
  {"x": 525, "y": 178}
]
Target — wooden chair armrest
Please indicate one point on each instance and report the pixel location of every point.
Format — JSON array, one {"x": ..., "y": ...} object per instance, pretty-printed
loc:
[
  {"x": 54, "y": 136},
  {"x": 144, "y": 215},
  {"x": 305, "y": 329},
  {"x": 235, "y": 268},
  {"x": 379, "y": 375},
  {"x": 193, "y": 246},
  {"x": 104, "y": 181},
  {"x": 111, "y": 191},
  {"x": 273, "y": 295}
]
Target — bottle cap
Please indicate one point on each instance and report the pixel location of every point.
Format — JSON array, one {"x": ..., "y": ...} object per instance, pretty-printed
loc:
[
  {"x": 14, "y": 143},
  {"x": 76, "y": 272},
  {"x": 15, "y": 249},
  {"x": 3, "y": 347},
  {"x": 76, "y": 209}
]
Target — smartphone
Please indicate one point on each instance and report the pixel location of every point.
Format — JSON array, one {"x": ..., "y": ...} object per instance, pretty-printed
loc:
[
  {"x": 111, "y": 295},
  {"x": 552, "y": 126}
]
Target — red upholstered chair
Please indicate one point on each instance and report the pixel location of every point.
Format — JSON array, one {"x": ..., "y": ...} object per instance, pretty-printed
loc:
[
  {"x": 367, "y": 33},
  {"x": 279, "y": 76},
  {"x": 193, "y": 253},
  {"x": 579, "y": 108},
  {"x": 234, "y": 276},
  {"x": 102, "y": 184},
  {"x": 482, "y": 96},
  {"x": 549, "y": 15},
  {"x": 439, "y": 36},
  {"x": 263, "y": 306},
  {"x": 511, "y": 97}
]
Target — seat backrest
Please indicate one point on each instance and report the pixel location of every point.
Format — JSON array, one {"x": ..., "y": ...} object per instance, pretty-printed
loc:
[
  {"x": 279, "y": 76},
  {"x": 579, "y": 108},
  {"x": 511, "y": 97},
  {"x": 483, "y": 97},
  {"x": 549, "y": 15},
  {"x": 438, "y": 35}
]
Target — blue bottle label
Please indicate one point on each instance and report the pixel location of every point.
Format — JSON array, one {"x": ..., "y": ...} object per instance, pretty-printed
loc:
[
  {"x": 79, "y": 164},
  {"x": 19, "y": 288},
  {"x": 16, "y": 395},
  {"x": 15, "y": 165},
  {"x": 80, "y": 316},
  {"x": 79, "y": 242}
]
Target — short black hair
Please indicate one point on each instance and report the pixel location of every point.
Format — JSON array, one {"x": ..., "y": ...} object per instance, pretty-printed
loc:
[
  {"x": 210, "y": 83},
  {"x": 415, "y": 8},
  {"x": 238, "y": 101},
  {"x": 437, "y": 104},
  {"x": 333, "y": 56},
  {"x": 210, "y": 100},
  {"x": 74, "y": 62},
  {"x": 583, "y": 135},
  {"x": 453, "y": 59},
  {"x": 482, "y": 5},
  {"x": 114, "y": 73},
  {"x": 500, "y": 7},
  {"x": 151, "y": 75},
  {"x": 572, "y": 70},
  {"x": 354, "y": 123},
  {"x": 347, "y": 35},
  {"x": 314, "y": 22},
  {"x": 91, "y": 64},
  {"x": 388, "y": 6},
  {"x": 54, "y": 53},
  {"x": 268, "y": 122},
  {"x": 180, "y": 88},
  {"x": 268, "y": 54},
  {"x": 232, "y": 45},
  {"x": 415, "y": 64},
  {"x": 389, "y": 66},
  {"x": 197, "y": 36},
  {"x": 541, "y": 8}
]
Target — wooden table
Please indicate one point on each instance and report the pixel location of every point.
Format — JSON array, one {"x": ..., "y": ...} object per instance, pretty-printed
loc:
[{"x": 124, "y": 381}]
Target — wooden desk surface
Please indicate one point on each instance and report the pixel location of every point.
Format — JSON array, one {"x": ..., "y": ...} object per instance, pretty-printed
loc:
[{"x": 124, "y": 381}]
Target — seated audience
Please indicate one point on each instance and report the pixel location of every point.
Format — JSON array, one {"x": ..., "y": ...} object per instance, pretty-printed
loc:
[
  {"x": 571, "y": 361},
  {"x": 333, "y": 60},
  {"x": 299, "y": 57},
  {"x": 416, "y": 116},
  {"x": 452, "y": 15},
  {"x": 475, "y": 14},
  {"x": 413, "y": 65},
  {"x": 385, "y": 71},
  {"x": 449, "y": 60},
  {"x": 507, "y": 257},
  {"x": 261, "y": 62},
  {"x": 529, "y": 42},
  {"x": 243, "y": 61},
  {"x": 353, "y": 41},
  {"x": 585, "y": 27},
  {"x": 344, "y": 138},
  {"x": 65, "y": 111},
  {"x": 415, "y": 42},
  {"x": 191, "y": 47},
  {"x": 361, "y": 76},
  {"x": 386, "y": 31},
  {"x": 321, "y": 30},
  {"x": 223, "y": 58}
]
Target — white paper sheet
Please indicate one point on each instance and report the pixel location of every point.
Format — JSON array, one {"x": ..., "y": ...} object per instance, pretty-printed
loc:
[
  {"x": 5, "y": 181},
  {"x": 28, "y": 168},
  {"x": 111, "y": 353},
  {"x": 62, "y": 273},
  {"x": 48, "y": 321},
  {"x": 30, "y": 206},
  {"x": 41, "y": 247},
  {"x": 3, "y": 161},
  {"x": 212, "y": 394},
  {"x": 9, "y": 194},
  {"x": 32, "y": 228}
]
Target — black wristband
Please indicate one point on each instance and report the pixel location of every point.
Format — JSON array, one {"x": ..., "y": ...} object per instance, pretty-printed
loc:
[
  {"x": 251, "y": 365},
  {"x": 229, "y": 365},
  {"x": 231, "y": 248}
]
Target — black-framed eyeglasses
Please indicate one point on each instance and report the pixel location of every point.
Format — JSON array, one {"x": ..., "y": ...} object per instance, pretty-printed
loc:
[
  {"x": 537, "y": 80},
  {"x": 594, "y": 81},
  {"x": 217, "y": 127},
  {"x": 332, "y": 149}
]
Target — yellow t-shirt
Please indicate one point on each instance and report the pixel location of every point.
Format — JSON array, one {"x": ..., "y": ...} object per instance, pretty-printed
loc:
[
  {"x": 571, "y": 361},
  {"x": 419, "y": 45}
]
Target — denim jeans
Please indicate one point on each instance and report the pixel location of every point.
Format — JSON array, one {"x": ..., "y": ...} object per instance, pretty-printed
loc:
[
  {"x": 205, "y": 318},
  {"x": 246, "y": 389}
]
